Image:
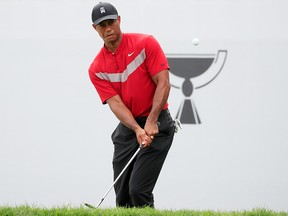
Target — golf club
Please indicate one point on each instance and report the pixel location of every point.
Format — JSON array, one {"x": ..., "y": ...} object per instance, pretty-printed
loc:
[{"x": 91, "y": 206}]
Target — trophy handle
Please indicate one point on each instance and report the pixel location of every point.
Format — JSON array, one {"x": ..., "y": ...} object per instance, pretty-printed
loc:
[{"x": 212, "y": 72}]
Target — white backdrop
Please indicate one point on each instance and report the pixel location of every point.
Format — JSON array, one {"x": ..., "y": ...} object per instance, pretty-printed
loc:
[{"x": 55, "y": 133}]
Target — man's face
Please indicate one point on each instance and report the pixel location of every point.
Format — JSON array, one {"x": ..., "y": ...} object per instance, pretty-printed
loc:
[{"x": 109, "y": 30}]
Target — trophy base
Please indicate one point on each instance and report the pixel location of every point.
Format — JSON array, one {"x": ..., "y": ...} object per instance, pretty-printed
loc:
[{"x": 187, "y": 113}]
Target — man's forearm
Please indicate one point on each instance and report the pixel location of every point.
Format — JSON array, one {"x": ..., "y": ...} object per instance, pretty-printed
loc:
[{"x": 123, "y": 114}]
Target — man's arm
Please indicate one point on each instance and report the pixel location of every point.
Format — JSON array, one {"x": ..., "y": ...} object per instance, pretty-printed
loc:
[
  {"x": 160, "y": 98},
  {"x": 125, "y": 116}
]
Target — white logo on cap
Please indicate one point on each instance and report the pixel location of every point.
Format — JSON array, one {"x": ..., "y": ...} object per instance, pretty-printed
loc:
[{"x": 102, "y": 10}]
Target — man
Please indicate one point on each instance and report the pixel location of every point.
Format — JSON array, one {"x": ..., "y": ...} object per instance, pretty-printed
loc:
[{"x": 131, "y": 75}]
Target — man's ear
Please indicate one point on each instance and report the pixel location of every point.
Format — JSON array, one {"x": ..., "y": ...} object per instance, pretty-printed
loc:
[{"x": 94, "y": 26}]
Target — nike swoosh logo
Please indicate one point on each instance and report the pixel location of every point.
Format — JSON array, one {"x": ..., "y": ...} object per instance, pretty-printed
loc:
[{"x": 130, "y": 54}]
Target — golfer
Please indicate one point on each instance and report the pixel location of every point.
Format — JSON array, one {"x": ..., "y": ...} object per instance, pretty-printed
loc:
[{"x": 131, "y": 75}]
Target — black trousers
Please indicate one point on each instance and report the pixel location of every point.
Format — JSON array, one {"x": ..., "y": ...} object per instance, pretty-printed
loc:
[{"x": 135, "y": 187}]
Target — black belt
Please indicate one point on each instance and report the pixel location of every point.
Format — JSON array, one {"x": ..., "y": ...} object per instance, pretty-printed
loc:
[{"x": 143, "y": 118}]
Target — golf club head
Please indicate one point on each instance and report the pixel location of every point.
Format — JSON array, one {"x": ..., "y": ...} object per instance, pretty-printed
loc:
[
  {"x": 89, "y": 206},
  {"x": 94, "y": 207}
]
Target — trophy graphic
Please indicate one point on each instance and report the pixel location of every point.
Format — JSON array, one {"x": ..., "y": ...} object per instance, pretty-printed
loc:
[{"x": 190, "y": 72}]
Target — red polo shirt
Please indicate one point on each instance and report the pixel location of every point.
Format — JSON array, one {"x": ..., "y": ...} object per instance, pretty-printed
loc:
[{"x": 128, "y": 72}]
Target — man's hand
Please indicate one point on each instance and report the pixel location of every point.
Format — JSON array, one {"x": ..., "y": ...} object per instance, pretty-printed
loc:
[
  {"x": 151, "y": 129},
  {"x": 143, "y": 139}
]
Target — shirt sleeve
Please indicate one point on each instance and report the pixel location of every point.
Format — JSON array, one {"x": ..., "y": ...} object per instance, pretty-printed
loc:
[
  {"x": 103, "y": 87},
  {"x": 156, "y": 60}
]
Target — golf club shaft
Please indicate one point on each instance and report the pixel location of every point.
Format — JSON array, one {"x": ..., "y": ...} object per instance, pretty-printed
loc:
[{"x": 123, "y": 170}]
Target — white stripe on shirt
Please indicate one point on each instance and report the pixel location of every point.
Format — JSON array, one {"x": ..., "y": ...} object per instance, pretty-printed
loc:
[{"x": 122, "y": 77}]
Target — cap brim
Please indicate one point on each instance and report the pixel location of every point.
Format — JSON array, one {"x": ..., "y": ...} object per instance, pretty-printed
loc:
[{"x": 96, "y": 22}]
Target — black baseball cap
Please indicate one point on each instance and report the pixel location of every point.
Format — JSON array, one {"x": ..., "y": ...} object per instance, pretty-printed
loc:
[{"x": 103, "y": 11}]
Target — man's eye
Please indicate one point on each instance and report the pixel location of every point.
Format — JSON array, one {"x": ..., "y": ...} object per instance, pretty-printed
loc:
[{"x": 102, "y": 24}]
